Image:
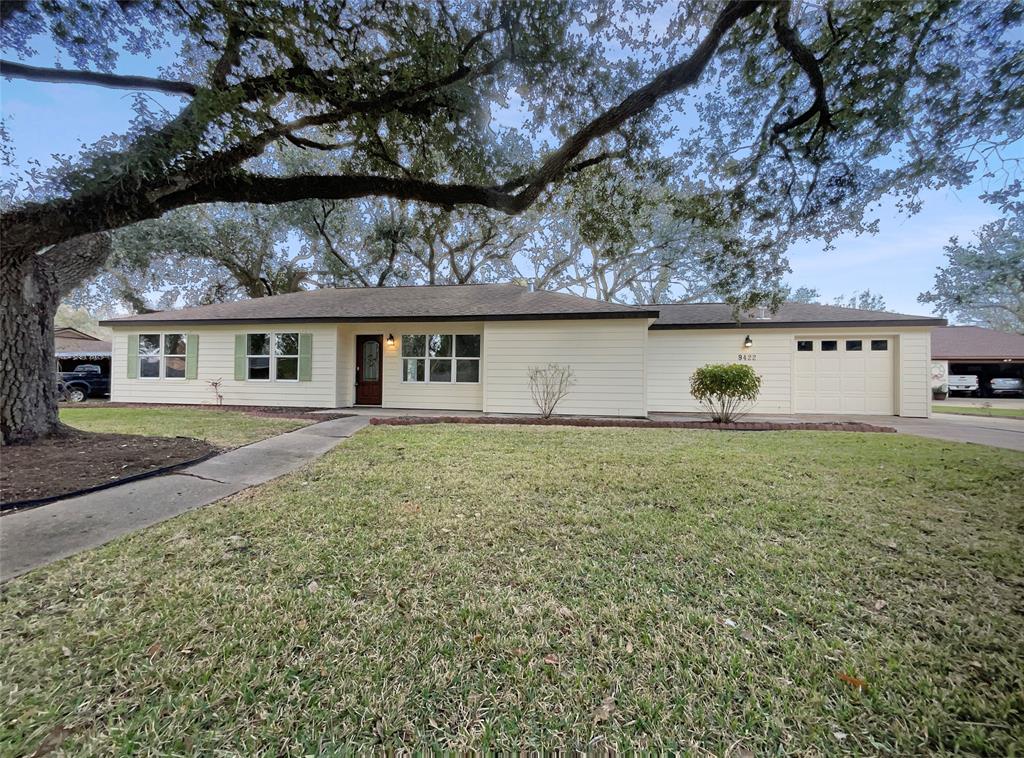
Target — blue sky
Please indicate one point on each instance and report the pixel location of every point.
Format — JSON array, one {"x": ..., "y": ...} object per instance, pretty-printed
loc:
[{"x": 899, "y": 262}]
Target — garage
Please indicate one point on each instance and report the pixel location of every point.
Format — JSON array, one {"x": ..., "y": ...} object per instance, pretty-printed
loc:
[
  {"x": 811, "y": 358},
  {"x": 843, "y": 375}
]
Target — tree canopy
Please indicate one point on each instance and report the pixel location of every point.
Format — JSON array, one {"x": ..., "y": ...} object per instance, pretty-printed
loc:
[
  {"x": 982, "y": 282},
  {"x": 808, "y": 112}
]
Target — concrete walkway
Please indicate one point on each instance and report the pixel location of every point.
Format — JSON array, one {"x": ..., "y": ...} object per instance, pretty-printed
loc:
[{"x": 45, "y": 534}]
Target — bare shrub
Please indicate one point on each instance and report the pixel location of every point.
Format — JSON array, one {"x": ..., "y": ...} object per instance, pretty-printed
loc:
[
  {"x": 548, "y": 385},
  {"x": 215, "y": 385}
]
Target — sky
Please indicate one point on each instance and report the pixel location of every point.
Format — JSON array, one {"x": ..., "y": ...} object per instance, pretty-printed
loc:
[{"x": 898, "y": 262}]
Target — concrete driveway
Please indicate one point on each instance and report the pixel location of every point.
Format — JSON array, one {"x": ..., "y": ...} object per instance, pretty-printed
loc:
[
  {"x": 981, "y": 402},
  {"x": 981, "y": 430}
]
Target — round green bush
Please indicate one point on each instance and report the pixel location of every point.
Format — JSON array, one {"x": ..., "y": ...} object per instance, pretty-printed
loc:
[{"x": 725, "y": 390}]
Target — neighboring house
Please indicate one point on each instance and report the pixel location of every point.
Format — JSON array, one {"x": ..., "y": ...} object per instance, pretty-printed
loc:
[
  {"x": 74, "y": 348},
  {"x": 984, "y": 353},
  {"x": 468, "y": 347}
]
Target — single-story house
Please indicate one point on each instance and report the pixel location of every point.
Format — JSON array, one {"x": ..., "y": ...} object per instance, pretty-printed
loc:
[
  {"x": 977, "y": 351},
  {"x": 469, "y": 347},
  {"x": 73, "y": 347}
]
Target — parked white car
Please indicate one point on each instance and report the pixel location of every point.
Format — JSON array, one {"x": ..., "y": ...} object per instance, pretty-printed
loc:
[{"x": 963, "y": 383}]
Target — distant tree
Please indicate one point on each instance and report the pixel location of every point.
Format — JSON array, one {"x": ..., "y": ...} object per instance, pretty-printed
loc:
[
  {"x": 865, "y": 301},
  {"x": 81, "y": 319},
  {"x": 195, "y": 255},
  {"x": 801, "y": 295},
  {"x": 983, "y": 281}
]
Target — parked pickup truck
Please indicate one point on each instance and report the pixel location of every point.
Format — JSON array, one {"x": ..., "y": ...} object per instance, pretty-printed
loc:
[
  {"x": 85, "y": 381},
  {"x": 967, "y": 383}
]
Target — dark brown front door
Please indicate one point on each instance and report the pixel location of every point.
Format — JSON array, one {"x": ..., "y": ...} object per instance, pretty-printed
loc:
[{"x": 368, "y": 369}]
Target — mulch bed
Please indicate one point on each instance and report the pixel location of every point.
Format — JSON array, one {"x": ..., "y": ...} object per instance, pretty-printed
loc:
[
  {"x": 738, "y": 426},
  {"x": 75, "y": 461},
  {"x": 252, "y": 410}
]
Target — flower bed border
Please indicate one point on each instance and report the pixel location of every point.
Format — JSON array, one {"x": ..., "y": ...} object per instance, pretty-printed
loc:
[
  {"x": 637, "y": 423},
  {"x": 16, "y": 506}
]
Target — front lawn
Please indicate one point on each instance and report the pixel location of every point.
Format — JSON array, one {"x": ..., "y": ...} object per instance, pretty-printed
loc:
[
  {"x": 975, "y": 410},
  {"x": 525, "y": 588},
  {"x": 221, "y": 428}
]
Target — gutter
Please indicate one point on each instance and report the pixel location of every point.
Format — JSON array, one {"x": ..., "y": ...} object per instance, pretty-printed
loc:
[
  {"x": 803, "y": 324},
  {"x": 382, "y": 319}
]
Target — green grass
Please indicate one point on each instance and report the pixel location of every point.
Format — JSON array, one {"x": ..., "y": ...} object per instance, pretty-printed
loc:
[
  {"x": 521, "y": 587},
  {"x": 221, "y": 428},
  {"x": 973, "y": 410}
]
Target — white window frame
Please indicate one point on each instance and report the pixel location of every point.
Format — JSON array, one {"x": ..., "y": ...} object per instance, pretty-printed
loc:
[
  {"x": 273, "y": 355},
  {"x": 427, "y": 357},
  {"x": 162, "y": 357}
]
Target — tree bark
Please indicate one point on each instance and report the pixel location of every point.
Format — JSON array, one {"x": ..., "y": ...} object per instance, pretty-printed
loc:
[{"x": 30, "y": 291}]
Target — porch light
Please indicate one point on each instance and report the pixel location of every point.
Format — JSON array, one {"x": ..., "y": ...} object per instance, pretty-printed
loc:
[
  {"x": 391, "y": 340},
  {"x": 748, "y": 343}
]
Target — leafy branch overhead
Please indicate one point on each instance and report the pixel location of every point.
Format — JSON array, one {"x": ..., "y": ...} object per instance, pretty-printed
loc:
[{"x": 404, "y": 97}]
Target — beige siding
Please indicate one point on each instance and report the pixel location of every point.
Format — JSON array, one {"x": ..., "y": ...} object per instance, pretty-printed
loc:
[
  {"x": 673, "y": 355},
  {"x": 606, "y": 355},
  {"x": 216, "y": 360},
  {"x": 915, "y": 360},
  {"x": 396, "y": 393}
]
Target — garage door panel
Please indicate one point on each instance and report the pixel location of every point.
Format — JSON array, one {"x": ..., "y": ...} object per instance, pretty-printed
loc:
[{"x": 843, "y": 381}]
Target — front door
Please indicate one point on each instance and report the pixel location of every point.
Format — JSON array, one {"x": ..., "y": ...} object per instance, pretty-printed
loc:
[{"x": 368, "y": 384}]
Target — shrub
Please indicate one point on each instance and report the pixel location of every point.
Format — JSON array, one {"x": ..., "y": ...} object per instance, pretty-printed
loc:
[
  {"x": 548, "y": 385},
  {"x": 725, "y": 390}
]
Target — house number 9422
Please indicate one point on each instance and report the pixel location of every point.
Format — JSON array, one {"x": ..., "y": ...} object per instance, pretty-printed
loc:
[{"x": 748, "y": 356}]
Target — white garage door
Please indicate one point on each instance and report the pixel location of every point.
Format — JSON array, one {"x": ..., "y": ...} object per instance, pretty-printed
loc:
[{"x": 843, "y": 375}]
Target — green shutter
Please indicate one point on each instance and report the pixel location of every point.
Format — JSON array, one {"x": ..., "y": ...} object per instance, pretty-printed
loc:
[
  {"x": 305, "y": 357},
  {"x": 192, "y": 356},
  {"x": 239, "y": 357},
  {"x": 133, "y": 356}
]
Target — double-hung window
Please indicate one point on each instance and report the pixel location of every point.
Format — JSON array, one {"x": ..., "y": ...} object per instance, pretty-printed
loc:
[
  {"x": 272, "y": 357},
  {"x": 162, "y": 356},
  {"x": 441, "y": 358}
]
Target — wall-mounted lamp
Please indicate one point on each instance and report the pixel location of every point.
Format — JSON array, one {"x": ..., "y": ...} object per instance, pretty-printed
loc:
[
  {"x": 748, "y": 343},
  {"x": 391, "y": 340}
]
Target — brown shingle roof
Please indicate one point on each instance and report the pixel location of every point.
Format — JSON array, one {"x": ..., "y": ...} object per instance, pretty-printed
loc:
[
  {"x": 720, "y": 315},
  {"x": 424, "y": 303},
  {"x": 958, "y": 343},
  {"x": 72, "y": 333}
]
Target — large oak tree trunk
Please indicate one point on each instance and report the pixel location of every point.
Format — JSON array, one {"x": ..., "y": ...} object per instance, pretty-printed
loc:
[
  {"x": 30, "y": 294},
  {"x": 31, "y": 287}
]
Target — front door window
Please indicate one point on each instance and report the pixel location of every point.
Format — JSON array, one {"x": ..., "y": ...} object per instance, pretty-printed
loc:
[{"x": 371, "y": 361}]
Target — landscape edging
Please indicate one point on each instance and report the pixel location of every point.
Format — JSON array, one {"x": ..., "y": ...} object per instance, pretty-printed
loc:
[
  {"x": 23, "y": 505},
  {"x": 736, "y": 426}
]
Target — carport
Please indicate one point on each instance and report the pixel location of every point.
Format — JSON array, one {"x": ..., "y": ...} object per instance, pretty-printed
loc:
[
  {"x": 73, "y": 347},
  {"x": 984, "y": 353}
]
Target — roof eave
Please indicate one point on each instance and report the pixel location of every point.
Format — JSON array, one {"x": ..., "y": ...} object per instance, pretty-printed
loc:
[
  {"x": 806, "y": 324},
  {"x": 381, "y": 319}
]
